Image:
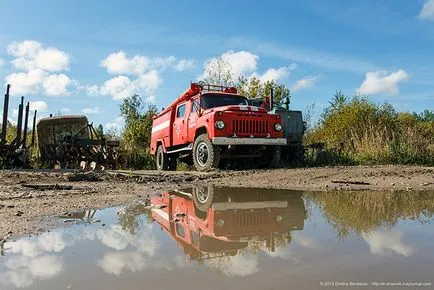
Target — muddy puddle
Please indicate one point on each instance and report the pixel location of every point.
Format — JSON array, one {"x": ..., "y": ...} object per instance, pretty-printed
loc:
[{"x": 232, "y": 238}]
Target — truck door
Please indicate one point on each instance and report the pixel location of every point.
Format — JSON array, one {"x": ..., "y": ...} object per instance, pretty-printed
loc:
[
  {"x": 180, "y": 125},
  {"x": 180, "y": 218},
  {"x": 192, "y": 118}
]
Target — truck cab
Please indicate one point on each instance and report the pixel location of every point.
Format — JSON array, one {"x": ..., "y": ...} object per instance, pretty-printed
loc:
[
  {"x": 208, "y": 124},
  {"x": 214, "y": 221}
]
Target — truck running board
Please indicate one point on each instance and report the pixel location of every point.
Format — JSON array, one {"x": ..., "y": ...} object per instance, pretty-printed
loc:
[{"x": 188, "y": 148}]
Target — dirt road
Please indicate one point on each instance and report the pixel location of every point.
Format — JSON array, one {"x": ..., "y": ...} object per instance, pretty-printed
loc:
[{"x": 29, "y": 199}]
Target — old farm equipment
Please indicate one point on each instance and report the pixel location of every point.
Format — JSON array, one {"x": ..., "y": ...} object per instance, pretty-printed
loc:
[
  {"x": 14, "y": 154},
  {"x": 72, "y": 142}
]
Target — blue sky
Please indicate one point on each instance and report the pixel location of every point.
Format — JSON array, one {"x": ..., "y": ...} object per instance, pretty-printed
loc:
[{"x": 85, "y": 56}]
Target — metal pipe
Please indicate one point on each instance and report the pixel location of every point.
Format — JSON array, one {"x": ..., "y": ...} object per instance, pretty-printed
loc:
[
  {"x": 5, "y": 116},
  {"x": 271, "y": 99},
  {"x": 26, "y": 123},
  {"x": 19, "y": 122},
  {"x": 34, "y": 129}
]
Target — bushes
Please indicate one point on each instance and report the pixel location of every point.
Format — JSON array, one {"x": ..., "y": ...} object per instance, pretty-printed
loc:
[
  {"x": 137, "y": 132},
  {"x": 368, "y": 133}
]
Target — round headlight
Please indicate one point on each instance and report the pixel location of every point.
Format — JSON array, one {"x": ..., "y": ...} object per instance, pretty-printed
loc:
[
  {"x": 220, "y": 125},
  {"x": 277, "y": 127},
  {"x": 219, "y": 223}
]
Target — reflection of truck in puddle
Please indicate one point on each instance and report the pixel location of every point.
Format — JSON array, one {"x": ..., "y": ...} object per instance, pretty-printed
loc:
[{"x": 217, "y": 221}]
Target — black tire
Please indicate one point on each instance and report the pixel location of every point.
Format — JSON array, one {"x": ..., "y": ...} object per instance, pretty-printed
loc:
[
  {"x": 164, "y": 161},
  {"x": 161, "y": 160},
  {"x": 270, "y": 158},
  {"x": 203, "y": 197},
  {"x": 206, "y": 156}
]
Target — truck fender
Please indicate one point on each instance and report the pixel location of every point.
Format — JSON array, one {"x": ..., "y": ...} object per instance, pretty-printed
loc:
[
  {"x": 201, "y": 130},
  {"x": 159, "y": 141}
]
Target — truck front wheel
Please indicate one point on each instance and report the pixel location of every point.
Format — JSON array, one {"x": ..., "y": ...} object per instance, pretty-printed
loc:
[
  {"x": 163, "y": 161},
  {"x": 206, "y": 156}
]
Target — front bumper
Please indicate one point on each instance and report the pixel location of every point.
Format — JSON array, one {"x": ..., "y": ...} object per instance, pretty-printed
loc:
[{"x": 248, "y": 141}]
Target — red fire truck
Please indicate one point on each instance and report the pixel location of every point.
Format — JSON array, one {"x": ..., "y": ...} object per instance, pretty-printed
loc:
[
  {"x": 209, "y": 123},
  {"x": 212, "y": 222}
]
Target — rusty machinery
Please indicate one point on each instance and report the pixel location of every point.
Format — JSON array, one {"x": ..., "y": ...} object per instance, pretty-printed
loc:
[
  {"x": 65, "y": 141},
  {"x": 72, "y": 142},
  {"x": 14, "y": 154}
]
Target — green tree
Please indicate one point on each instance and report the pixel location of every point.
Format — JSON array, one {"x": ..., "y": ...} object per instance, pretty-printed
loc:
[
  {"x": 219, "y": 72},
  {"x": 425, "y": 116},
  {"x": 255, "y": 88},
  {"x": 100, "y": 131},
  {"x": 137, "y": 132},
  {"x": 336, "y": 104}
]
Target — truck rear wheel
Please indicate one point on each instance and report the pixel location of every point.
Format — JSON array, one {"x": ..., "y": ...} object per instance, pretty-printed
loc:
[
  {"x": 164, "y": 161},
  {"x": 206, "y": 156}
]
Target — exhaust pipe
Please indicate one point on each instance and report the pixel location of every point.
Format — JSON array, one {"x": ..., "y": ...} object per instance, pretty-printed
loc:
[
  {"x": 34, "y": 129},
  {"x": 19, "y": 122},
  {"x": 5, "y": 116},
  {"x": 26, "y": 123},
  {"x": 271, "y": 99}
]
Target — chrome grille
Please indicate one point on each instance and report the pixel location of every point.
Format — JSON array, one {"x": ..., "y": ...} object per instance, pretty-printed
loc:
[
  {"x": 249, "y": 126},
  {"x": 249, "y": 220}
]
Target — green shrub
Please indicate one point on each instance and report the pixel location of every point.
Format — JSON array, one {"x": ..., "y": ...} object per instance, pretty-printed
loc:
[{"x": 368, "y": 133}]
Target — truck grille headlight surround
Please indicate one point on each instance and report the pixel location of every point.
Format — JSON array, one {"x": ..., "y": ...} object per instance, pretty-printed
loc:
[
  {"x": 220, "y": 125},
  {"x": 277, "y": 127},
  {"x": 219, "y": 223}
]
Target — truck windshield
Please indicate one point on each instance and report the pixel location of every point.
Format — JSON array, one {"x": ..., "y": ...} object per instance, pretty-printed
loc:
[{"x": 217, "y": 100}]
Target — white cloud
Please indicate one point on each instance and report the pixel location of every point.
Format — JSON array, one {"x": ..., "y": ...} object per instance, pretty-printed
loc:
[
  {"x": 117, "y": 125},
  {"x": 380, "y": 82},
  {"x": 150, "y": 99},
  {"x": 427, "y": 11},
  {"x": 163, "y": 63},
  {"x": 94, "y": 110},
  {"x": 22, "y": 271},
  {"x": 2, "y": 62},
  {"x": 56, "y": 85},
  {"x": 383, "y": 243},
  {"x": 183, "y": 65},
  {"x": 305, "y": 241},
  {"x": 121, "y": 87},
  {"x": 275, "y": 74},
  {"x": 25, "y": 82},
  {"x": 242, "y": 62},
  {"x": 304, "y": 83},
  {"x": 41, "y": 106},
  {"x": 45, "y": 267},
  {"x": 116, "y": 262},
  {"x": 32, "y": 55},
  {"x": 37, "y": 64},
  {"x": 242, "y": 265},
  {"x": 119, "y": 63},
  {"x": 35, "y": 81},
  {"x": 116, "y": 238},
  {"x": 92, "y": 90}
]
